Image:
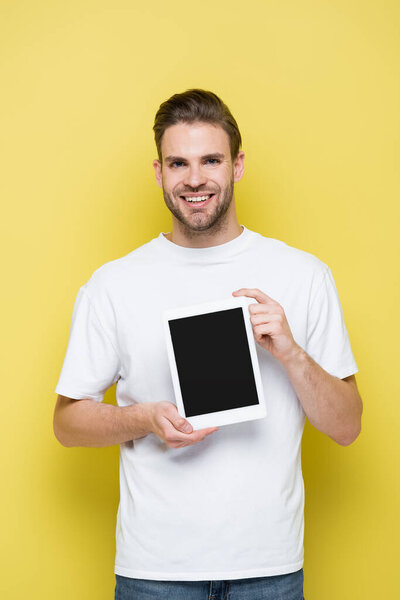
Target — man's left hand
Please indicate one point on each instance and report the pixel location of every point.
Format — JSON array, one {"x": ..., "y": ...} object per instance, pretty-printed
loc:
[{"x": 270, "y": 327}]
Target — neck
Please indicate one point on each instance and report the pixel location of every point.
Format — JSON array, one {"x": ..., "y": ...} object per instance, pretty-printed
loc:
[{"x": 204, "y": 239}]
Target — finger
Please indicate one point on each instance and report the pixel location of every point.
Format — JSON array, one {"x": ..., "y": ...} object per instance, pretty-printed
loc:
[
  {"x": 265, "y": 319},
  {"x": 180, "y": 423},
  {"x": 254, "y": 293},
  {"x": 266, "y": 329},
  {"x": 186, "y": 435},
  {"x": 197, "y": 436},
  {"x": 171, "y": 433},
  {"x": 208, "y": 430},
  {"x": 268, "y": 309},
  {"x": 175, "y": 435}
]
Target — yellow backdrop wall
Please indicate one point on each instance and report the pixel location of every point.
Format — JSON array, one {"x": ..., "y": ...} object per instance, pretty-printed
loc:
[{"x": 314, "y": 86}]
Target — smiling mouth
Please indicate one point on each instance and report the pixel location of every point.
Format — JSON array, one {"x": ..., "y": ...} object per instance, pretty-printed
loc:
[{"x": 197, "y": 199}]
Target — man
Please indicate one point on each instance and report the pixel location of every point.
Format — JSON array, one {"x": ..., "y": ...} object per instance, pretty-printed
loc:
[{"x": 201, "y": 520}]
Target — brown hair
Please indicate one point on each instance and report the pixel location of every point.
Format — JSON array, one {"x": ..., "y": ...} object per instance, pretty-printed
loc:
[{"x": 196, "y": 105}]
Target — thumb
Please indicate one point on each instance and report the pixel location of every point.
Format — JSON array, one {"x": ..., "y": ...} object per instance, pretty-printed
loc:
[{"x": 182, "y": 424}]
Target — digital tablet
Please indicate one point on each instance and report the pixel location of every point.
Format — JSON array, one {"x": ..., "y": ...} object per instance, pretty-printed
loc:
[{"x": 213, "y": 361}]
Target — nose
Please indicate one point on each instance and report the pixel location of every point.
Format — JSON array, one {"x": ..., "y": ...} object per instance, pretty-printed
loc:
[{"x": 194, "y": 177}]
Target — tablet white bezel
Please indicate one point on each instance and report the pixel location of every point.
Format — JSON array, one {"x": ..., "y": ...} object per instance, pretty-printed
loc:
[{"x": 225, "y": 417}]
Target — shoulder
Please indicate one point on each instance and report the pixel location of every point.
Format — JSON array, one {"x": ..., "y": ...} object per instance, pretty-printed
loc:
[
  {"x": 111, "y": 275},
  {"x": 291, "y": 259}
]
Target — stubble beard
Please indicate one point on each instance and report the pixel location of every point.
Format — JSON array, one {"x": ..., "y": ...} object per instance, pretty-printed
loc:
[{"x": 201, "y": 223}]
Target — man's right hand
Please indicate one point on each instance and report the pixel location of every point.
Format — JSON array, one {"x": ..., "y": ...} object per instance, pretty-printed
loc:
[{"x": 165, "y": 421}]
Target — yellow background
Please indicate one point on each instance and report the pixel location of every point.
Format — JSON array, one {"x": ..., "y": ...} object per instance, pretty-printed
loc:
[{"x": 314, "y": 87}]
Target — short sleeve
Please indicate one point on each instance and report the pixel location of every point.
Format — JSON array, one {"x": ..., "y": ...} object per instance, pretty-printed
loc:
[
  {"x": 328, "y": 341},
  {"x": 91, "y": 364}
]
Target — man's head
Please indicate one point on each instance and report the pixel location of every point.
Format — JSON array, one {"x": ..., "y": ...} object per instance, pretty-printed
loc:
[
  {"x": 198, "y": 144},
  {"x": 196, "y": 106}
]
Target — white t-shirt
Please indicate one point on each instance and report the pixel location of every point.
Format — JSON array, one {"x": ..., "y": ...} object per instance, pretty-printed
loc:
[{"x": 231, "y": 506}]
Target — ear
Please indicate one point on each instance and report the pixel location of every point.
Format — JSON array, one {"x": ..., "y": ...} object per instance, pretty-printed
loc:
[
  {"x": 238, "y": 167},
  {"x": 158, "y": 172}
]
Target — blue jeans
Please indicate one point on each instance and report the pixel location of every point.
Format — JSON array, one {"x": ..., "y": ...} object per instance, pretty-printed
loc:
[{"x": 275, "y": 587}]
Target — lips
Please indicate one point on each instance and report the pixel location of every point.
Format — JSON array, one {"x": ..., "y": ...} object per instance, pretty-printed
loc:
[{"x": 194, "y": 203}]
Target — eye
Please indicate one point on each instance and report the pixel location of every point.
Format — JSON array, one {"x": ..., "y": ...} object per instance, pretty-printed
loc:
[
  {"x": 213, "y": 161},
  {"x": 176, "y": 163}
]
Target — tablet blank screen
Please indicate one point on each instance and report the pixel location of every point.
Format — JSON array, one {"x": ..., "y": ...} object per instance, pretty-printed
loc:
[{"x": 213, "y": 362}]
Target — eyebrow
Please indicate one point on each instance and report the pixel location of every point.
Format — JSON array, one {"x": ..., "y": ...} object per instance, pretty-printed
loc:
[{"x": 171, "y": 159}]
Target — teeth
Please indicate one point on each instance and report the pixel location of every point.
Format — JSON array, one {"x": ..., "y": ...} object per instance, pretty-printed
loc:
[{"x": 197, "y": 199}]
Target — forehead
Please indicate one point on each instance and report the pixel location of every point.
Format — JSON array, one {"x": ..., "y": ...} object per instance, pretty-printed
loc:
[{"x": 190, "y": 140}]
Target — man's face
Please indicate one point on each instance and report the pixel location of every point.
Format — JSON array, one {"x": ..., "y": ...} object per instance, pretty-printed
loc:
[{"x": 197, "y": 164}]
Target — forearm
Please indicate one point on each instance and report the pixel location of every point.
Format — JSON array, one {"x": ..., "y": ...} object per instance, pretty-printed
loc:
[
  {"x": 96, "y": 424},
  {"x": 332, "y": 405}
]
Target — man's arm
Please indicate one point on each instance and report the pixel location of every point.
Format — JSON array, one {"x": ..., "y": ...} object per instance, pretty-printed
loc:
[
  {"x": 90, "y": 423},
  {"x": 332, "y": 405},
  {"x": 96, "y": 424}
]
